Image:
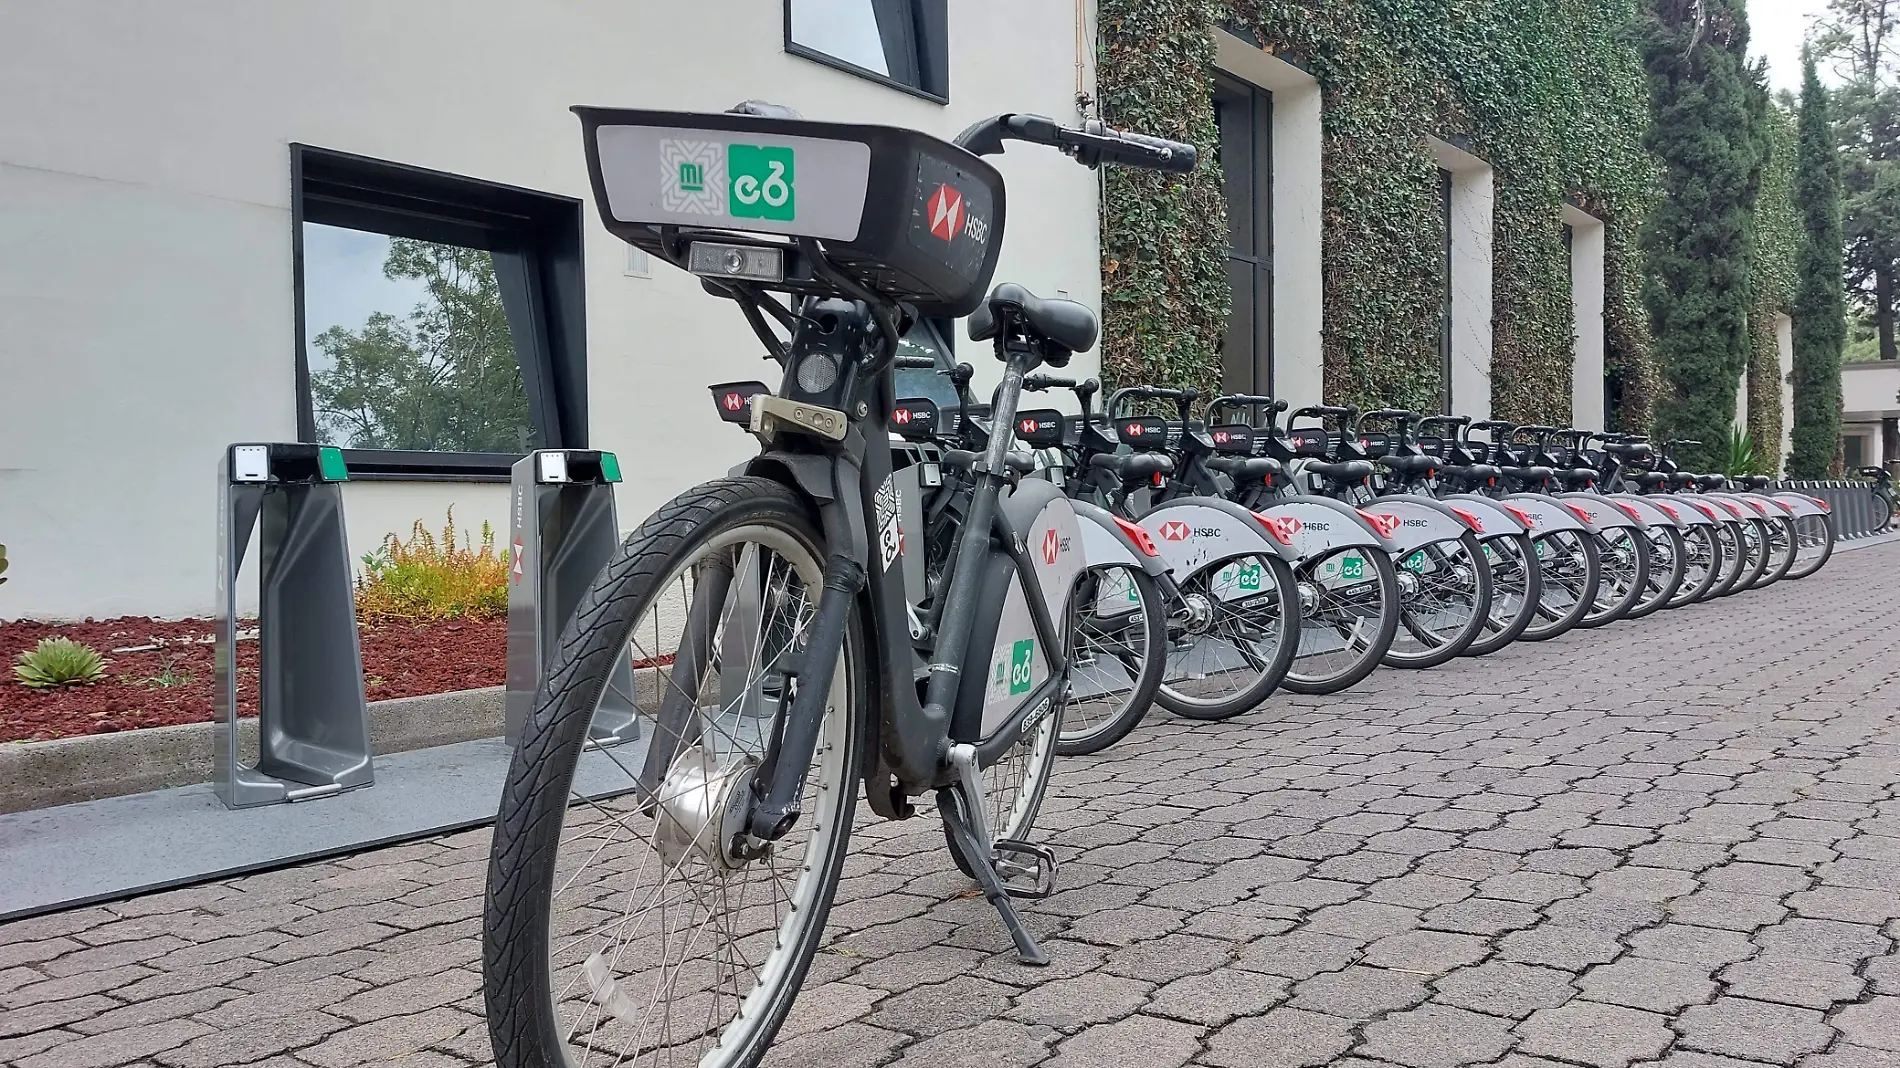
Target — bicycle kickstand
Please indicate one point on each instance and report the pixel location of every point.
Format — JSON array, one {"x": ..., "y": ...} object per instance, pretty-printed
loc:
[{"x": 950, "y": 802}]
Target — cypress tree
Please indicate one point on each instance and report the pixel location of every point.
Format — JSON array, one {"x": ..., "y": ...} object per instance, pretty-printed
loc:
[
  {"x": 1820, "y": 315},
  {"x": 1708, "y": 111}
]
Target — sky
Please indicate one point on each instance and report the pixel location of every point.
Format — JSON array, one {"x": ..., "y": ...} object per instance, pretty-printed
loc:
[
  {"x": 1776, "y": 29},
  {"x": 343, "y": 284}
]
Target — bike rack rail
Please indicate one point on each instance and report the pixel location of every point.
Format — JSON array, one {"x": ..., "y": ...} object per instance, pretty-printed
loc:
[
  {"x": 1849, "y": 500},
  {"x": 564, "y": 527},
  {"x": 312, "y": 716}
]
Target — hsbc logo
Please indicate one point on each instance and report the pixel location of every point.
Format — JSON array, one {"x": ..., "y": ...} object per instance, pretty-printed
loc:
[
  {"x": 1052, "y": 545},
  {"x": 1133, "y": 430},
  {"x": 900, "y": 415},
  {"x": 1029, "y": 426},
  {"x": 946, "y": 212},
  {"x": 1174, "y": 530},
  {"x": 734, "y": 402}
]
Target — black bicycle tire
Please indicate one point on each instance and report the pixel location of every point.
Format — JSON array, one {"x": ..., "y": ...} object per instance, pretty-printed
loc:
[
  {"x": 1679, "y": 547},
  {"x": 1153, "y": 668},
  {"x": 1631, "y": 599},
  {"x": 1592, "y": 572},
  {"x": 1388, "y": 629},
  {"x": 1710, "y": 577},
  {"x": 1270, "y": 678},
  {"x": 1833, "y": 536},
  {"x": 1455, "y": 648},
  {"x": 1487, "y": 644},
  {"x": 524, "y": 1026},
  {"x": 1756, "y": 562}
]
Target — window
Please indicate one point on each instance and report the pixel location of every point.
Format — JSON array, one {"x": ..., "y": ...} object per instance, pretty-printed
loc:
[
  {"x": 440, "y": 323},
  {"x": 1853, "y": 451},
  {"x": 901, "y": 43},
  {"x": 1244, "y": 116},
  {"x": 928, "y": 338}
]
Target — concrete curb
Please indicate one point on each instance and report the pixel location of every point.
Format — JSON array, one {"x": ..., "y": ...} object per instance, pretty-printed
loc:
[{"x": 43, "y": 774}]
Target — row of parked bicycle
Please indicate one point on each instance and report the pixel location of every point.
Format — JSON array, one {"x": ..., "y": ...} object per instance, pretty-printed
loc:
[{"x": 1231, "y": 555}]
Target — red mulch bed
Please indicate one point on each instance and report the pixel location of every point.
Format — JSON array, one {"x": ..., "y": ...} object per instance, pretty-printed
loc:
[{"x": 173, "y": 683}]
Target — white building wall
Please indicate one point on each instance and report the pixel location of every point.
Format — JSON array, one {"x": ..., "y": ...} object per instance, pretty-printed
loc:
[
  {"x": 1472, "y": 198},
  {"x": 1784, "y": 349},
  {"x": 145, "y": 237},
  {"x": 1586, "y": 306}
]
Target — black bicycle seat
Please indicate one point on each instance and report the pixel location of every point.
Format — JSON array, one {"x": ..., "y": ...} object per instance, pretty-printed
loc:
[
  {"x": 1681, "y": 478},
  {"x": 1649, "y": 479},
  {"x": 1579, "y": 476},
  {"x": 1247, "y": 468},
  {"x": 1134, "y": 465},
  {"x": 1713, "y": 481},
  {"x": 1757, "y": 482},
  {"x": 1412, "y": 465},
  {"x": 1487, "y": 473},
  {"x": 1349, "y": 471},
  {"x": 1530, "y": 474},
  {"x": 964, "y": 460},
  {"x": 1064, "y": 322}
]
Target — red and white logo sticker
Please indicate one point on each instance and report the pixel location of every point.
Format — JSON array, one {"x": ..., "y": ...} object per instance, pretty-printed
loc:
[
  {"x": 1029, "y": 426},
  {"x": 900, "y": 415},
  {"x": 734, "y": 402},
  {"x": 1133, "y": 430},
  {"x": 517, "y": 560},
  {"x": 946, "y": 212},
  {"x": 1174, "y": 530},
  {"x": 1051, "y": 545},
  {"x": 1282, "y": 527}
]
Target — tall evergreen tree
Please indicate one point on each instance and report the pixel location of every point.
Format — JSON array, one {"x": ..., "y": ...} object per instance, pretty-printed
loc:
[
  {"x": 1708, "y": 109},
  {"x": 1820, "y": 314}
]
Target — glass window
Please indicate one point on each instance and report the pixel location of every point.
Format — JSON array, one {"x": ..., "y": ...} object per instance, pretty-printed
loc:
[
  {"x": 409, "y": 346},
  {"x": 924, "y": 340},
  {"x": 902, "y": 43}
]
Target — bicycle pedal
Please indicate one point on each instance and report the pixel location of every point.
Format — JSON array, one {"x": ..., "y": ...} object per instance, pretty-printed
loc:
[{"x": 1027, "y": 870}]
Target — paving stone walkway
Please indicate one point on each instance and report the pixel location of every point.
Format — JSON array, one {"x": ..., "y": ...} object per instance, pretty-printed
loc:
[{"x": 1674, "y": 842}]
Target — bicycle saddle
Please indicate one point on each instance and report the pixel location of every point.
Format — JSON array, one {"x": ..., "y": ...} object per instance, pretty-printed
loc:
[
  {"x": 1579, "y": 476},
  {"x": 964, "y": 460},
  {"x": 1714, "y": 481},
  {"x": 1412, "y": 465},
  {"x": 1135, "y": 465},
  {"x": 1530, "y": 474},
  {"x": 1349, "y": 471},
  {"x": 1064, "y": 322},
  {"x": 1681, "y": 478},
  {"x": 1649, "y": 479},
  {"x": 1247, "y": 468},
  {"x": 1475, "y": 472},
  {"x": 1757, "y": 482}
]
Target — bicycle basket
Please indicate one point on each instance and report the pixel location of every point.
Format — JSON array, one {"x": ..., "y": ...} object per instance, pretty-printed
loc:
[{"x": 900, "y": 212}]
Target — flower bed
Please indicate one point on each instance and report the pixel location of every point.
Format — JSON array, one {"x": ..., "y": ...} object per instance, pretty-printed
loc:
[{"x": 159, "y": 672}]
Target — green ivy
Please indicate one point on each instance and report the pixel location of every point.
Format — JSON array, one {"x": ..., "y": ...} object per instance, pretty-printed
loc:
[{"x": 1550, "y": 92}]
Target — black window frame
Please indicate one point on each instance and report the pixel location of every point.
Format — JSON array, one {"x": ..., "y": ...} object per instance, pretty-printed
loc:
[
  {"x": 916, "y": 39},
  {"x": 1257, "y": 259},
  {"x": 536, "y": 241},
  {"x": 1446, "y": 183}
]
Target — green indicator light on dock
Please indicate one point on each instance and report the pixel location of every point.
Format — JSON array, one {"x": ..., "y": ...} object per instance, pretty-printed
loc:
[
  {"x": 330, "y": 465},
  {"x": 610, "y": 467}
]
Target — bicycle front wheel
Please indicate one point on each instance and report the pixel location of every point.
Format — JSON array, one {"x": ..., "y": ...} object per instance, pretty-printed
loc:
[
  {"x": 630, "y": 918},
  {"x": 1704, "y": 562}
]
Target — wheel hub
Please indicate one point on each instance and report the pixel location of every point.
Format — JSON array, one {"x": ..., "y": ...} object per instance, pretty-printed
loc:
[
  {"x": 702, "y": 810},
  {"x": 1309, "y": 598},
  {"x": 1200, "y": 612},
  {"x": 1408, "y": 584}
]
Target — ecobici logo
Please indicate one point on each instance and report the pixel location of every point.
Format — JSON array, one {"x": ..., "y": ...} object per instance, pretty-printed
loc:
[{"x": 743, "y": 181}]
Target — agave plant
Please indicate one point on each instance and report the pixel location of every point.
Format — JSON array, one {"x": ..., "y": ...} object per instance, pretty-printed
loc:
[
  {"x": 59, "y": 662},
  {"x": 1741, "y": 453}
]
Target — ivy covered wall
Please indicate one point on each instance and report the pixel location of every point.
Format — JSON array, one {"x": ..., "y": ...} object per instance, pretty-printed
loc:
[
  {"x": 1777, "y": 245},
  {"x": 1549, "y": 92}
]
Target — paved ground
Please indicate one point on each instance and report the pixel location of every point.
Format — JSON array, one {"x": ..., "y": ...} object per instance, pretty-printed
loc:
[{"x": 1672, "y": 842}]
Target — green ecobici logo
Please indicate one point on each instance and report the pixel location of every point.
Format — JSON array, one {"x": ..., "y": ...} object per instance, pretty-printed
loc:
[
  {"x": 761, "y": 180},
  {"x": 1019, "y": 659}
]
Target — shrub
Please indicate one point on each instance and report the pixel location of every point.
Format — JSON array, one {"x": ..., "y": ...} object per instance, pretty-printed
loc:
[
  {"x": 1741, "y": 453},
  {"x": 59, "y": 662},
  {"x": 426, "y": 579}
]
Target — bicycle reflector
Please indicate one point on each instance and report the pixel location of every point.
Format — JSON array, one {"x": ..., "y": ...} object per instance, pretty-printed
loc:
[
  {"x": 1139, "y": 536},
  {"x": 1383, "y": 522},
  {"x": 1821, "y": 504},
  {"x": 1523, "y": 515},
  {"x": 1583, "y": 514},
  {"x": 1629, "y": 510},
  {"x": 734, "y": 399},
  {"x": 746, "y": 263},
  {"x": 1471, "y": 519},
  {"x": 1668, "y": 510}
]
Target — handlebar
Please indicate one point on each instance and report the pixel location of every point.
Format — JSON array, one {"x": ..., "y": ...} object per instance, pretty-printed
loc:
[
  {"x": 1243, "y": 401},
  {"x": 1038, "y": 383},
  {"x": 1092, "y": 145},
  {"x": 1401, "y": 416},
  {"x": 1347, "y": 415},
  {"x": 914, "y": 363},
  {"x": 1182, "y": 398}
]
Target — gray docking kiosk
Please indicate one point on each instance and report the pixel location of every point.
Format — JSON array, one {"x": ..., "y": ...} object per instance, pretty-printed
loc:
[
  {"x": 561, "y": 508},
  {"x": 312, "y": 718}
]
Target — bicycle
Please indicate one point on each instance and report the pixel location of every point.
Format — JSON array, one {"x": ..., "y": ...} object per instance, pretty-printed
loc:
[
  {"x": 1885, "y": 505},
  {"x": 770, "y": 627}
]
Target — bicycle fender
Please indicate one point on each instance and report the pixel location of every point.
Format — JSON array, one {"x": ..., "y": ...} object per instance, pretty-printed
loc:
[
  {"x": 1648, "y": 511},
  {"x": 1318, "y": 525},
  {"x": 1682, "y": 512},
  {"x": 1799, "y": 504},
  {"x": 1013, "y": 663},
  {"x": 1422, "y": 521},
  {"x": 1727, "y": 511},
  {"x": 1192, "y": 532},
  {"x": 1602, "y": 512},
  {"x": 1493, "y": 522},
  {"x": 1045, "y": 519},
  {"x": 1105, "y": 542},
  {"x": 1715, "y": 511},
  {"x": 1768, "y": 506},
  {"x": 1544, "y": 514}
]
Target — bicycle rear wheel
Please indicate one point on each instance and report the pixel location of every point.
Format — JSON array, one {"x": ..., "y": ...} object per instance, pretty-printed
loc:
[
  {"x": 1517, "y": 585},
  {"x": 1121, "y": 653},
  {"x": 1704, "y": 565},
  {"x": 1238, "y": 641},
  {"x": 1752, "y": 539},
  {"x": 1568, "y": 561},
  {"x": 1781, "y": 550},
  {"x": 1622, "y": 575},
  {"x": 1668, "y": 566},
  {"x": 1813, "y": 544},
  {"x": 1444, "y": 602},
  {"x": 630, "y": 919},
  {"x": 1349, "y": 616}
]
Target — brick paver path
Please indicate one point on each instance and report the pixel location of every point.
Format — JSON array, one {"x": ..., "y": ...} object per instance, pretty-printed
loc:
[{"x": 1670, "y": 842}]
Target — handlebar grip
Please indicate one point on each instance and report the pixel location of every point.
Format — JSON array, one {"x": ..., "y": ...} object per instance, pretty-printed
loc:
[
  {"x": 914, "y": 363},
  {"x": 1037, "y": 383},
  {"x": 1399, "y": 415},
  {"x": 1141, "y": 150},
  {"x": 1088, "y": 387},
  {"x": 1448, "y": 420}
]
